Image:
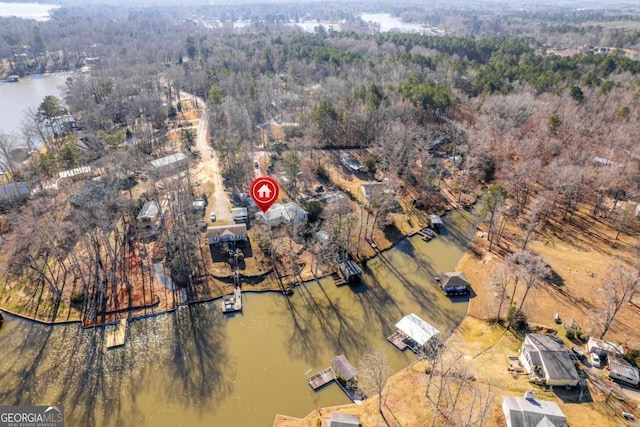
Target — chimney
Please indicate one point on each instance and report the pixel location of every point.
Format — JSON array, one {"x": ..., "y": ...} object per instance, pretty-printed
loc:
[{"x": 529, "y": 395}]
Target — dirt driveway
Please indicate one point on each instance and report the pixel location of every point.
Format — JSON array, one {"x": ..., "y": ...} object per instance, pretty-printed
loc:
[{"x": 208, "y": 171}]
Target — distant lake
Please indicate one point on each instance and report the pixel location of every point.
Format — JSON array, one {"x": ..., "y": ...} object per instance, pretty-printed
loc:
[
  {"x": 16, "y": 98},
  {"x": 37, "y": 11},
  {"x": 391, "y": 23}
]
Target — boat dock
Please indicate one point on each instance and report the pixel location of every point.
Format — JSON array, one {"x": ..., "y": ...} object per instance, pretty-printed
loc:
[
  {"x": 398, "y": 339},
  {"x": 116, "y": 336},
  {"x": 322, "y": 378},
  {"x": 339, "y": 281},
  {"x": 426, "y": 234},
  {"x": 232, "y": 303}
]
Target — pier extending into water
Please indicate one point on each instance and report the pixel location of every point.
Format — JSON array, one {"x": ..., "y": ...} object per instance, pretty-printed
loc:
[
  {"x": 321, "y": 379},
  {"x": 232, "y": 303},
  {"x": 116, "y": 336}
]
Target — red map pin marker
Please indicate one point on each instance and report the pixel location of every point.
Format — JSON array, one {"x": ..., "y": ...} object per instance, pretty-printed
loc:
[{"x": 264, "y": 191}]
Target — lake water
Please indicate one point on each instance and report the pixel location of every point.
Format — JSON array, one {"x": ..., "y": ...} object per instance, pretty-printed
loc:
[
  {"x": 391, "y": 23},
  {"x": 16, "y": 98},
  {"x": 196, "y": 367},
  {"x": 37, "y": 11}
]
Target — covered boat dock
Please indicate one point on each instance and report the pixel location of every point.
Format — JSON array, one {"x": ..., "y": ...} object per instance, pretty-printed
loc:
[{"x": 413, "y": 332}]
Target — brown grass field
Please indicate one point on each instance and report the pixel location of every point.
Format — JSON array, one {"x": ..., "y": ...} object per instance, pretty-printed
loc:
[{"x": 580, "y": 253}]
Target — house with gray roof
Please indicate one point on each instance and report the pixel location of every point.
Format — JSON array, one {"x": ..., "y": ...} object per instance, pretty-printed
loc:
[
  {"x": 527, "y": 411},
  {"x": 547, "y": 361},
  {"x": 454, "y": 283},
  {"x": 340, "y": 419},
  {"x": 13, "y": 191},
  {"x": 169, "y": 164},
  {"x": 226, "y": 233},
  {"x": 278, "y": 213}
]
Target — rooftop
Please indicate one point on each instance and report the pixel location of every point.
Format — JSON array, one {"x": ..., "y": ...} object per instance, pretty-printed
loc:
[
  {"x": 167, "y": 160},
  {"x": 13, "y": 190},
  {"x": 555, "y": 358},
  {"x": 416, "y": 328},
  {"x": 289, "y": 212},
  {"x": 149, "y": 210},
  {"x": 453, "y": 279},
  {"x": 531, "y": 412},
  {"x": 339, "y": 419},
  {"x": 83, "y": 170},
  {"x": 344, "y": 367},
  {"x": 227, "y": 233}
]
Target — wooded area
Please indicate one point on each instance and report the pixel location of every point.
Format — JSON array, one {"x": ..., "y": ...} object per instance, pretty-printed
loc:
[{"x": 439, "y": 116}]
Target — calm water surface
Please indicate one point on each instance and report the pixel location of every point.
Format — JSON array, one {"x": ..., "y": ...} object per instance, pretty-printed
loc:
[
  {"x": 37, "y": 11},
  {"x": 197, "y": 367},
  {"x": 16, "y": 98}
]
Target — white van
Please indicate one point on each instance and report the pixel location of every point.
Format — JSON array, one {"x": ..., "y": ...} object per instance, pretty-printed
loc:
[{"x": 595, "y": 360}]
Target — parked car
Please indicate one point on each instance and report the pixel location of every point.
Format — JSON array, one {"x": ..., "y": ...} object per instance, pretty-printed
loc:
[{"x": 213, "y": 217}]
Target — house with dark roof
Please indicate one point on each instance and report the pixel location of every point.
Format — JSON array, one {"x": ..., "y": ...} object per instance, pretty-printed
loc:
[
  {"x": 527, "y": 411},
  {"x": 547, "y": 361},
  {"x": 454, "y": 283},
  {"x": 226, "y": 233}
]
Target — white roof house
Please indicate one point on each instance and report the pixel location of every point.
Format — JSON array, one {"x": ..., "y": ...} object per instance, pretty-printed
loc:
[
  {"x": 169, "y": 163},
  {"x": 289, "y": 212},
  {"x": 416, "y": 329},
  {"x": 76, "y": 172},
  {"x": 529, "y": 412}
]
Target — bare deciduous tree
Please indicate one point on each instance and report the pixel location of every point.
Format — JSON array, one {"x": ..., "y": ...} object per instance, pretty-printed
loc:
[
  {"x": 373, "y": 372},
  {"x": 618, "y": 288}
]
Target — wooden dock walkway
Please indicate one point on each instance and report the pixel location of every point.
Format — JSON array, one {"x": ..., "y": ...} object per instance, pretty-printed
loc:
[
  {"x": 426, "y": 234},
  {"x": 116, "y": 336},
  {"x": 340, "y": 281},
  {"x": 397, "y": 339},
  {"x": 321, "y": 378},
  {"x": 232, "y": 303}
]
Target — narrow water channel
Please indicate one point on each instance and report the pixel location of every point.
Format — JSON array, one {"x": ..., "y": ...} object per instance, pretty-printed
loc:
[{"x": 197, "y": 367}]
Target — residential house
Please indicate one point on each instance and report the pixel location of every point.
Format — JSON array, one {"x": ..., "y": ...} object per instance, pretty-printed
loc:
[
  {"x": 89, "y": 195},
  {"x": 339, "y": 419},
  {"x": 169, "y": 164},
  {"x": 149, "y": 218},
  {"x": 226, "y": 233},
  {"x": 547, "y": 361},
  {"x": 371, "y": 190},
  {"x": 280, "y": 213},
  {"x": 13, "y": 191},
  {"x": 528, "y": 412}
]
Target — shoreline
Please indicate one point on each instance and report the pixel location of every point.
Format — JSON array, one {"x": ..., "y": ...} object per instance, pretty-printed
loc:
[{"x": 214, "y": 298}]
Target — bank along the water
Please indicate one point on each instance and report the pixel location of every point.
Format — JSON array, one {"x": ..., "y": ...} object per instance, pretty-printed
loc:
[{"x": 196, "y": 367}]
